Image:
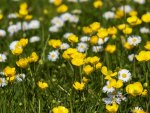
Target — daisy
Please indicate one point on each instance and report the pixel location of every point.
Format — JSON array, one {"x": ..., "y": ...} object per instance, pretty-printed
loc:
[
  {"x": 131, "y": 57},
  {"x": 97, "y": 49},
  {"x": 66, "y": 35},
  {"x": 134, "y": 40},
  {"x": 65, "y": 16},
  {"x": 34, "y": 39},
  {"x": 53, "y": 56},
  {"x": 124, "y": 75},
  {"x": 100, "y": 41},
  {"x": 82, "y": 47},
  {"x": 13, "y": 45},
  {"x": 34, "y": 24},
  {"x": 57, "y": 21},
  {"x": 84, "y": 38},
  {"x": 74, "y": 19},
  {"x": 108, "y": 15},
  {"x": 144, "y": 30},
  {"x": 3, "y": 57},
  {"x": 125, "y": 8},
  {"x": 54, "y": 28},
  {"x": 12, "y": 29},
  {"x": 64, "y": 46},
  {"x": 20, "y": 77},
  {"x": 2, "y": 33},
  {"x": 108, "y": 89},
  {"x": 140, "y": 1},
  {"x": 3, "y": 82}
]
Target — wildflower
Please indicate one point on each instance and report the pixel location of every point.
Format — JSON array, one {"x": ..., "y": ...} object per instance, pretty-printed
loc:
[
  {"x": 97, "y": 49},
  {"x": 98, "y": 4},
  {"x": 144, "y": 30},
  {"x": 33, "y": 57},
  {"x": 55, "y": 43},
  {"x": 125, "y": 8},
  {"x": 88, "y": 69},
  {"x": 1, "y": 16},
  {"x": 17, "y": 51},
  {"x": 128, "y": 46},
  {"x": 22, "y": 42},
  {"x": 53, "y": 55},
  {"x": 87, "y": 30},
  {"x": 143, "y": 56},
  {"x": 22, "y": 63},
  {"x": 60, "y": 109},
  {"x": 102, "y": 33},
  {"x": 73, "y": 38},
  {"x": 133, "y": 13},
  {"x": 58, "y": 22},
  {"x": 119, "y": 13},
  {"x": 42, "y": 85},
  {"x": 108, "y": 89},
  {"x": 94, "y": 40},
  {"x": 131, "y": 57},
  {"x": 78, "y": 86},
  {"x": 84, "y": 79},
  {"x": 95, "y": 26},
  {"x": 2, "y": 33},
  {"x": 34, "y": 39},
  {"x": 66, "y": 35},
  {"x": 62, "y": 8},
  {"x": 134, "y": 40},
  {"x": 134, "y": 89},
  {"x": 124, "y": 75},
  {"x": 84, "y": 39},
  {"x": 34, "y": 24},
  {"x": 9, "y": 72},
  {"x": 98, "y": 65},
  {"x": 3, "y": 57},
  {"x": 112, "y": 30},
  {"x": 77, "y": 61},
  {"x": 67, "y": 53},
  {"x": 146, "y": 18},
  {"x": 140, "y": 1},
  {"x": 3, "y": 82},
  {"x": 54, "y": 28},
  {"x": 110, "y": 48},
  {"x": 127, "y": 30},
  {"x": 112, "y": 108},
  {"x": 64, "y": 46},
  {"x": 147, "y": 46},
  {"x": 108, "y": 73},
  {"x": 20, "y": 77},
  {"x": 138, "y": 110},
  {"x": 108, "y": 15},
  {"x": 115, "y": 84},
  {"x": 82, "y": 47},
  {"x": 134, "y": 20},
  {"x": 93, "y": 60}
]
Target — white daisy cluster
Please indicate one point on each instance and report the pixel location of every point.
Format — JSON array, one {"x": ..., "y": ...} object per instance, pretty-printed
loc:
[
  {"x": 59, "y": 21},
  {"x": 53, "y": 55},
  {"x": 2, "y": 33},
  {"x": 124, "y": 75},
  {"x": 14, "y": 28}
]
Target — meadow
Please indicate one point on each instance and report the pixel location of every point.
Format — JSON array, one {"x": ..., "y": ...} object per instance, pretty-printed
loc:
[{"x": 74, "y": 56}]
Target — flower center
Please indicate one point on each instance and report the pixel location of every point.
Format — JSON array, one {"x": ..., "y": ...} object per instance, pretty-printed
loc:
[{"x": 124, "y": 75}]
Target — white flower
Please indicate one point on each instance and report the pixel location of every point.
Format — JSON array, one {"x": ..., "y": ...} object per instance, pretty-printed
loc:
[
  {"x": 77, "y": 11},
  {"x": 74, "y": 19},
  {"x": 3, "y": 82},
  {"x": 57, "y": 21},
  {"x": 12, "y": 29},
  {"x": 82, "y": 47},
  {"x": 34, "y": 39},
  {"x": 97, "y": 49},
  {"x": 108, "y": 89},
  {"x": 34, "y": 24},
  {"x": 13, "y": 45},
  {"x": 84, "y": 38},
  {"x": 125, "y": 8},
  {"x": 25, "y": 26},
  {"x": 107, "y": 100},
  {"x": 124, "y": 75},
  {"x": 20, "y": 77},
  {"x": 12, "y": 15},
  {"x": 3, "y": 57},
  {"x": 2, "y": 33},
  {"x": 100, "y": 41},
  {"x": 131, "y": 57},
  {"x": 134, "y": 40},
  {"x": 140, "y": 1},
  {"x": 144, "y": 30},
  {"x": 54, "y": 28},
  {"x": 65, "y": 16},
  {"x": 66, "y": 35},
  {"x": 108, "y": 15},
  {"x": 53, "y": 55},
  {"x": 64, "y": 46}
]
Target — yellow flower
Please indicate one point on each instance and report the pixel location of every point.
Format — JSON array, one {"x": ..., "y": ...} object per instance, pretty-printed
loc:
[
  {"x": 102, "y": 33},
  {"x": 134, "y": 89},
  {"x": 144, "y": 93},
  {"x": 87, "y": 30},
  {"x": 94, "y": 39},
  {"x": 57, "y": 2},
  {"x": 78, "y": 55},
  {"x": 107, "y": 73},
  {"x": 10, "y": 79},
  {"x": 128, "y": 46},
  {"x": 68, "y": 53},
  {"x": 112, "y": 108},
  {"x": 1, "y": 16},
  {"x": 33, "y": 57},
  {"x": 146, "y": 17},
  {"x": 22, "y": 63},
  {"x": 147, "y": 46},
  {"x": 22, "y": 42},
  {"x": 98, "y": 65},
  {"x": 95, "y": 26},
  {"x": 63, "y": 8},
  {"x": 77, "y": 61},
  {"x": 133, "y": 13},
  {"x": 42, "y": 85},
  {"x": 55, "y": 43},
  {"x": 88, "y": 69},
  {"x": 23, "y": 5},
  {"x": 127, "y": 30},
  {"x": 84, "y": 79},
  {"x": 112, "y": 30},
  {"x": 60, "y": 109},
  {"x": 28, "y": 17},
  {"x": 143, "y": 56},
  {"x": 110, "y": 48},
  {"x": 17, "y": 51},
  {"x": 73, "y": 38},
  {"x": 115, "y": 84},
  {"x": 134, "y": 20},
  {"x": 78, "y": 86},
  {"x": 119, "y": 14},
  {"x": 9, "y": 72},
  {"x": 98, "y": 4},
  {"x": 122, "y": 26}
]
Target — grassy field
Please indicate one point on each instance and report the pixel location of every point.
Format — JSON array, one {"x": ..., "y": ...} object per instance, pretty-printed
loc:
[{"x": 74, "y": 56}]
